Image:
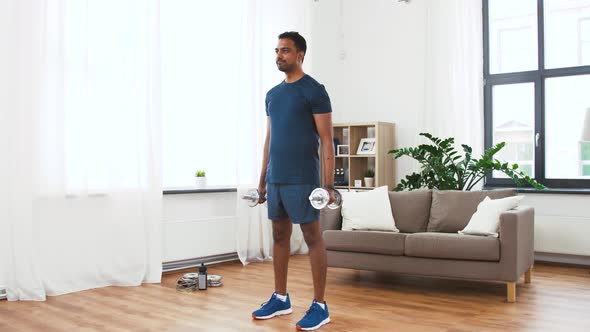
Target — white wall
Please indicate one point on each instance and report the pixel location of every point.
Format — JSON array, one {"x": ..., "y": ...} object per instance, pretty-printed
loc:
[
  {"x": 370, "y": 56},
  {"x": 562, "y": 223},
  {"x": 198, "y": 225}
]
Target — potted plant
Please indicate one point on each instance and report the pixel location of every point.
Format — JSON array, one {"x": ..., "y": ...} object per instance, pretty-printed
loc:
[
  {"x": 200, "y": 179},
  {"x": 443, "y": 168},
  {"x": 369, "y": 178}
]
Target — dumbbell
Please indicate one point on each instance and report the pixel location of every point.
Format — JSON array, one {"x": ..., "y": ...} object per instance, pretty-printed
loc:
[
  {"x": 319, "y": 198},
  {"x": 252, "y": 197}
]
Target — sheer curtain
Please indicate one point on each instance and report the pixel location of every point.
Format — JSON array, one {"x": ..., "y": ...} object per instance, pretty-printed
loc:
[
  {"x": 262, "y": 22},
  {"x": 81, "y": 191},
  {"x": 454, "y": 72}
]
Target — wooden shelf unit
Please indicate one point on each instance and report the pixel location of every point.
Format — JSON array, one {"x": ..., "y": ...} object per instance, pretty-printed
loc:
[{"x": 355, "y": 165}]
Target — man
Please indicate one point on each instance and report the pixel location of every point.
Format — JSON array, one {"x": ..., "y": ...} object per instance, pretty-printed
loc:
[{"x": 298, "y": 117}]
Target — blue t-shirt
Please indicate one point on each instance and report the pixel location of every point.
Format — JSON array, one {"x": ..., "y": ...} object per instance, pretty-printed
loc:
[{"x": 294, "y": 140}]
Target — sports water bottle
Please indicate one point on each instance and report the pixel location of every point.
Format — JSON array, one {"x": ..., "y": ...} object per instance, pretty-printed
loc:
[{"x": 202, "y": 278}]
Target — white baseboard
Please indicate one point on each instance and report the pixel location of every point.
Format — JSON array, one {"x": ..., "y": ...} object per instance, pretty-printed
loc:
[
  {"x": 562, "y": 258},
  {"x": 195, "y": 262}
]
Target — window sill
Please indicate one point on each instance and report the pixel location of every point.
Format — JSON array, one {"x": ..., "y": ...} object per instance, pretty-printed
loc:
[
  {"x": 189, "y": 190},
  {"x": 567, "y": 191}
]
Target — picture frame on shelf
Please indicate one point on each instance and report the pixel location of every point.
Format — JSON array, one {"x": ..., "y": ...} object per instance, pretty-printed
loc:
[
  {"x": 367, "y": 146},
  {"x": 336, "y": 143},
  {"x": 342, "y": 150}
]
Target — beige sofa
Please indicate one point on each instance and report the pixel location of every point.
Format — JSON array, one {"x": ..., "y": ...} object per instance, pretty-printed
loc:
[{"x": 428, "y": 243}]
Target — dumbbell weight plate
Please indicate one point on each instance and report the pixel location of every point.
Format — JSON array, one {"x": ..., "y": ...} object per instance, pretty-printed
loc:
[
  {"x": 319, "y": 199},
  {"x": 252, "y": 197},
  {"x": 338, "y": 200}
]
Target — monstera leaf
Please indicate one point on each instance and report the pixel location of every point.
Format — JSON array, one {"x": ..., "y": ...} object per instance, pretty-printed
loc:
[{"x": 445, "y": 168}]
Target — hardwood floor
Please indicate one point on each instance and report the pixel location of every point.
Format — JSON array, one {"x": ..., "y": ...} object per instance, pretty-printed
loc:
[{"x": 557, "y": 299}]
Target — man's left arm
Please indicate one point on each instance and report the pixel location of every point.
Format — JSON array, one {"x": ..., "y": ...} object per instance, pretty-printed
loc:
[{"x": 323, "y": 123}]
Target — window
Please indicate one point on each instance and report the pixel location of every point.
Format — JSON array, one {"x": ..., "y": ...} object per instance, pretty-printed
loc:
[
  {"x": 585, "y": 158},
  {"x": 537, "y": 78},
  {"x": 200, "y": 58}
]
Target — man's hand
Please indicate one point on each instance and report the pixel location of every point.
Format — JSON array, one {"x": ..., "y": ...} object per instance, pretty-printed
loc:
[
  {"x": 330, "y": 189},
  {"x": 262, "y": 194},
  {"x": 332, "y": 197}
]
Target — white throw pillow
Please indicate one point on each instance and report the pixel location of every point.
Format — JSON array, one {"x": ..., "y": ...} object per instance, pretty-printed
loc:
[
  {"x": 486, "y": 219},
  {"x": 367, "y": 210}
]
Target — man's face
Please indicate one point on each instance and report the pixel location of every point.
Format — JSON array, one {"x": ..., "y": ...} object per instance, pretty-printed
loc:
[{"x": 287, "y": 58}]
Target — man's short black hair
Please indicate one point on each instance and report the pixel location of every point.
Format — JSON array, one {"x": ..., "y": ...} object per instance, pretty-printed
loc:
[{"x": 297, "y": 39}]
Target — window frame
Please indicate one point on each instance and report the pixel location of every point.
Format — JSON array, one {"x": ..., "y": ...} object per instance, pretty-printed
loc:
[{"x": 537, "y": 77}]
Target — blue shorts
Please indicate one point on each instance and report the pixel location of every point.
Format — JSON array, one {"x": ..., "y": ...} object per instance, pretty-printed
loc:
[{"x": 291, "y": 201}]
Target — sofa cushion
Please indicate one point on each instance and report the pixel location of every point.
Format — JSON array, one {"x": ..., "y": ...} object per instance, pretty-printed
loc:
[
  {"x": 487, "y": 218},
  {"x": 411, "y": 209},
  {"x": 451, "y": 209},
  {"x": 452, "y": 246},
  {"x": 385, "y": 243},
  {"x": 367, "y": 210},
  {"x": 330, "y": 218}
]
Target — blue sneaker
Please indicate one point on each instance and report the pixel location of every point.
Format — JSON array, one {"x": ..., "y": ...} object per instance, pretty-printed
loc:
[
  {"x": 314, "y": 318},
  {"x": 273, "y": 307}
]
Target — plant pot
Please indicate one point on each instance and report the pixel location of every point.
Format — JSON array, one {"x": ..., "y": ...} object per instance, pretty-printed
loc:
[
  {"x": 369, "y": 182},
  {"x": 200, "y": 182}
]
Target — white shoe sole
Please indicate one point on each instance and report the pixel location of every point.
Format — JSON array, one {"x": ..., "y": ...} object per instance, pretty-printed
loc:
[
  {"x": 276, "y": 313},
  {"x": 324, "y": 322}
]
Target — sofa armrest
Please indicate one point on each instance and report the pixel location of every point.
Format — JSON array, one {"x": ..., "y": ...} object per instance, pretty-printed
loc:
[
  {"x": 517, "y": 237},
  {"x": 330, "y": 219}
]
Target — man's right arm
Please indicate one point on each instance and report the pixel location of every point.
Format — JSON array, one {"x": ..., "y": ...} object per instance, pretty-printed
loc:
[{"x": 262, "y": 181}]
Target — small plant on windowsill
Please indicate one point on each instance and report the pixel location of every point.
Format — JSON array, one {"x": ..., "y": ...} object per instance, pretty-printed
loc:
[
  {"x": 200, "y": 179},
  {"x": 369, "y": 177}
]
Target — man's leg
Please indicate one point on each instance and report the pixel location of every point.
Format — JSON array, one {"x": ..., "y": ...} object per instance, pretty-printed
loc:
[
  {"x": 279, "y": 303},
  {"x": 281, "y": 250},
  {"x": 297, "y": 206},
  {"x": 317, "y": 257}
]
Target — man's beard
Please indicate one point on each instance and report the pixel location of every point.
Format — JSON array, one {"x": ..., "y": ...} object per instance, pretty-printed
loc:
[{"x": 284, "y": 66}]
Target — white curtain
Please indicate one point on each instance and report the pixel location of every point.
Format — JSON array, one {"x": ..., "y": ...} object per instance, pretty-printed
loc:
[
  {"x": 80, "y": 157},
  {"x": 454, "y": 72},
  {"x": 262, "y": 22}
]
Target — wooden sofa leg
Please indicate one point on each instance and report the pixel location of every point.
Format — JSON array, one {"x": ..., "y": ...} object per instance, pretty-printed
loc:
[
  {"x": 511, "y": 292},
  {"x": 527, "y": 275}
]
